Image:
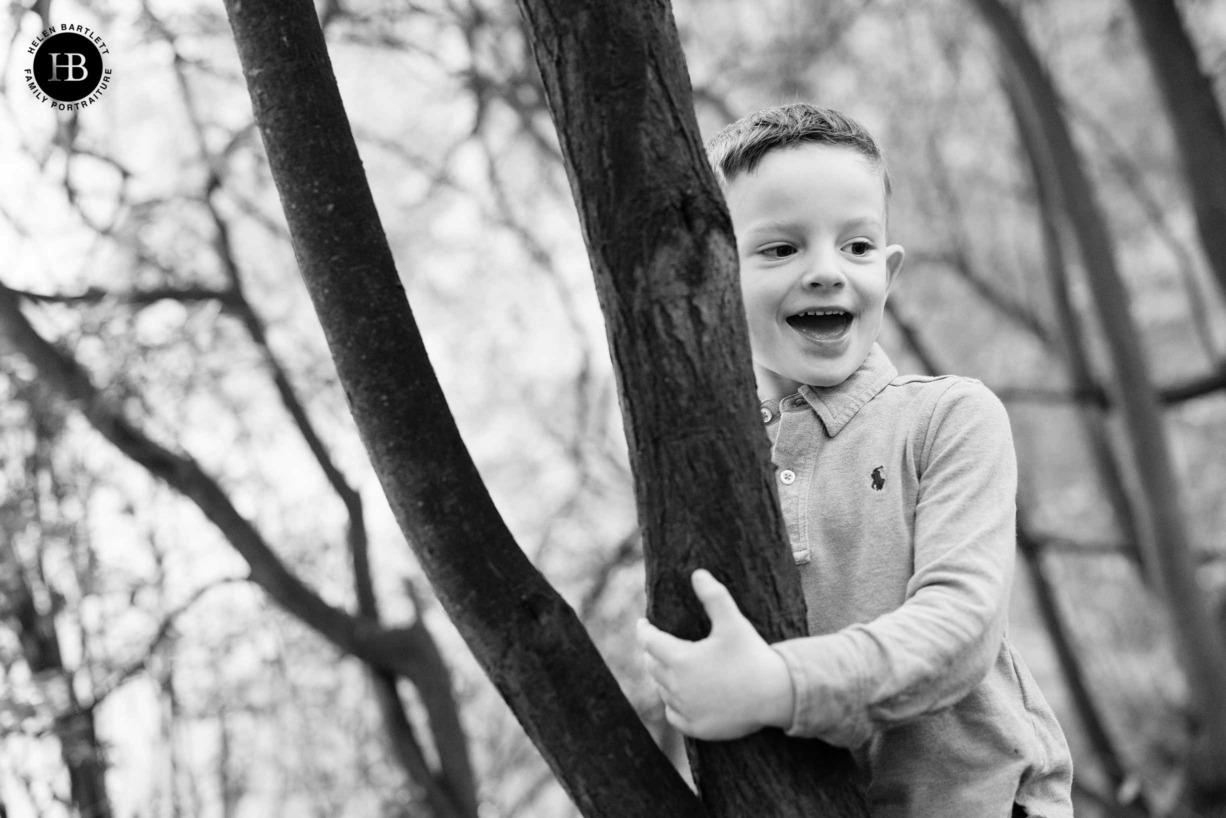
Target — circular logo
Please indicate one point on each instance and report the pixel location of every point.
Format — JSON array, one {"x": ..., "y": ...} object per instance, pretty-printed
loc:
[{"x": 67, "y": 67}]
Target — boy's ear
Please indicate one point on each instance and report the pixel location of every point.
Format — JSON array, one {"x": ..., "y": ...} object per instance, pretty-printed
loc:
[{"x": 893, "y": 262}]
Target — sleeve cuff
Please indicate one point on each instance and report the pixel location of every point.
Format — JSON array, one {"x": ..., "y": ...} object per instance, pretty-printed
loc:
[{"x": 828, "y": 699}]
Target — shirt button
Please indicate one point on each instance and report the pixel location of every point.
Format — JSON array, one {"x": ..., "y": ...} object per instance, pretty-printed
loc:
[
  {"x": 766, "y": 415},
  {"x": 787, "y": 477}
]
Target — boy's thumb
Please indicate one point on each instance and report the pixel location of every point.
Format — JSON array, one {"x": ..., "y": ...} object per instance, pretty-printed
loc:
[{"x": 715, "y": 599}]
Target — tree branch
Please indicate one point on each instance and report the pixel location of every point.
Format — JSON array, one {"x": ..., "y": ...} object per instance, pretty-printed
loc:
[
  {"x": 95, "y": 295},
  {"x": 959, "y": 258},
  {"x": 1070, "y": 664},
  {"x": 167, "y": 624},
  {"x": 390, "y": 649}
]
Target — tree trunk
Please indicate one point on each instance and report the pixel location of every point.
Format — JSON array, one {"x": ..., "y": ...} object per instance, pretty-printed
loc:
[
  {"x": 74, "y": 724},
  {"x": 1196, "y": 118},
  {"x": 524, "y": 635},
  {"x": 663, "y": 254},
  {"x": 1164, "y": 538}
]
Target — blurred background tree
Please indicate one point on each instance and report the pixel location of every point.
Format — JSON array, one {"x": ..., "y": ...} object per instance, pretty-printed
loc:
[{"x": 149, "y": 652}]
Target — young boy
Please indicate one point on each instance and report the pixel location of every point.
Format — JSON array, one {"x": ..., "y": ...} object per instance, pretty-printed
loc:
[{"x": 898, "y": 493}]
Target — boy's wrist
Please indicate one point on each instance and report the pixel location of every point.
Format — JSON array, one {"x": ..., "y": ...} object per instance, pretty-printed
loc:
[{"x": 778, "y": 694}]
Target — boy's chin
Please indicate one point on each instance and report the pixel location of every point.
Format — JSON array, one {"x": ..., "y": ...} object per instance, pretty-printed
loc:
[
  {"x": 825, "y": 383},
  {"x": 827, "y": 376},
  {"x": 778, "y": 384}
]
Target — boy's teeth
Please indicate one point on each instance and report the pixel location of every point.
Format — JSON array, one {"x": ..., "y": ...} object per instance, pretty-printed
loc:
[{"x": 821, "y": 324}]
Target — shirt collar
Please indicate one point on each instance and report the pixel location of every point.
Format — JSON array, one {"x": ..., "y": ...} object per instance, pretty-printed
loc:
[{"x": 836, "y": 405}]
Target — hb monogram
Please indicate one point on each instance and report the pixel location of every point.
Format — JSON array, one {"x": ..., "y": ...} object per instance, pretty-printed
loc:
[{"x": 74, "y": 62}]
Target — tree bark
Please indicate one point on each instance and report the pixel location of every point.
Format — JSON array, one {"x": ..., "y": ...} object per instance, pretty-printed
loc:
[
  {"x": 1196, "y": 117},
  {"x": 526, "y": 638},
  {"x": 1164, "y": 538},
  {"x": 661, "y": 247}
]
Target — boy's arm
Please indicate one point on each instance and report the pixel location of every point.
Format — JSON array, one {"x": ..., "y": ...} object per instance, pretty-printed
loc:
[
  {"x": 922, "y": 657},
  {"x": 930, "y": 652}
]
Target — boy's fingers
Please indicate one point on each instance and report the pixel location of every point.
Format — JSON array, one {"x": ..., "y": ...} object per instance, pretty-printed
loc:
[
  {"x": 715, "y": 599},
  {"x": 658, "y": 644}
]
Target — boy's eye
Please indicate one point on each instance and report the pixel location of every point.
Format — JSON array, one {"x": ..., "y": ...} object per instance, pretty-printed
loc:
[
  {"x": 859, "y": 247},
  {"x": 778, "y": 251}
]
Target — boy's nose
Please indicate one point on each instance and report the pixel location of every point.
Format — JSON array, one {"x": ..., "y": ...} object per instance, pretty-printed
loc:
[{"x": 823, "y": 273}]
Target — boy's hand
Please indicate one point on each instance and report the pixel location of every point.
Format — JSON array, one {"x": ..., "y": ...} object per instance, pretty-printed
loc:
[{"x": 725, "y": 686}]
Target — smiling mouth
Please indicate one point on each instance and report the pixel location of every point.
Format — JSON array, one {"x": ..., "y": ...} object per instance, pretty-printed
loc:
[{"x": 821, "y": 325}]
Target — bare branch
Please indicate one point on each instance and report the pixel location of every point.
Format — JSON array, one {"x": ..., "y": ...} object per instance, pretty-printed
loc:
[
  {"x": 391, "y": 649},
  {"x": 1157, "y": 213},
  {"x": 96, "y": 295},
  {"x": 1171, "y": 395},
  {"x": 959, "y": 258},
  {"x": 164, "y": 630},
  {"x": 1070, "y": 664}
]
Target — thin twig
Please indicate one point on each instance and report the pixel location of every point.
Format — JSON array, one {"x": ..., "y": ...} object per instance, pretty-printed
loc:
[{"x": 117, "y": 680}]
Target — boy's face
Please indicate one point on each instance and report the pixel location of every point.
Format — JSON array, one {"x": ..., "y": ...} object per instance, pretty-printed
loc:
[{"x": 815, "y": 268}]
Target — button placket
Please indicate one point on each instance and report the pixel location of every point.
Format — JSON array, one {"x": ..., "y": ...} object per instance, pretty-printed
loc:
[{"x": 788, "y": 452}]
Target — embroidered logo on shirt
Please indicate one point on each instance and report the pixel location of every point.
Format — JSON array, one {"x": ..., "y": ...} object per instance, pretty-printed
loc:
[{"x": 879, "y": 478}]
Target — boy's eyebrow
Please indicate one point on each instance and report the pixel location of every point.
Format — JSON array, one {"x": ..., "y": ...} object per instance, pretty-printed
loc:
[
  {"x": 772, "y": 227},
  {"x": 865, "y": 221},
  {"x": 776, "y": 226}
]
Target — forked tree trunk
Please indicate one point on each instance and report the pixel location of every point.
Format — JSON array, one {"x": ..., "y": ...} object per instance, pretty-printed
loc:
[
  {"x": 524, "y": 635},
  {"x": 1165, "y": 541},
  {"x": 672, "y": 302}
]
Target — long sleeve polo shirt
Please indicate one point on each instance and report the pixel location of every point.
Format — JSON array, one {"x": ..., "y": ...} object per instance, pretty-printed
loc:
[{"x": 899, "y": 498}]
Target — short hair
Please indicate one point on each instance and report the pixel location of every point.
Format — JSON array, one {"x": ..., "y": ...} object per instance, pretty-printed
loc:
[{"x": 741, "y": 146}]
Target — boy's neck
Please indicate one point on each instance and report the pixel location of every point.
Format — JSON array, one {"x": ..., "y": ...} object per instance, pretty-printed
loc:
[{"x": 772, "y": 386}]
